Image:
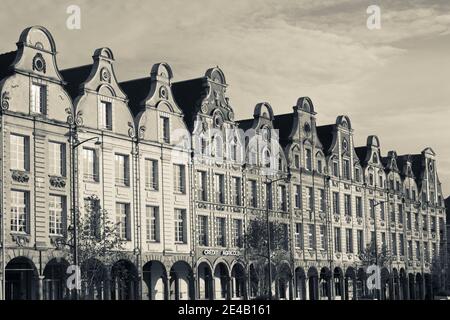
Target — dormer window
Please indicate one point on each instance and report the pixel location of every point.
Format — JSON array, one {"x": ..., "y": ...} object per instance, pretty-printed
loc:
[
  {"x": 319, "y": 166},
  {"x": 38, "y": 98},
  {"x": 357, "y": 175},
  {"x": 380, "y": 181},
  {"x": 106, "y": 115},
  {"x": 371, "y": 182},
  {"x": 297, "y": 161},
  {"x": 374, "y": 158},
  {"x": 335, "y": 169},
  {"x": 308, "y": 159},
  {"x": 165, "y": 129},
  {"x": 347, "y": 169}
]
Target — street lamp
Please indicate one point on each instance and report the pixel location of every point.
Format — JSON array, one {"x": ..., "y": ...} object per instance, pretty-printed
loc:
[
  {"x": 74, "y": 144},
  {"x": 268, "y": 183}
]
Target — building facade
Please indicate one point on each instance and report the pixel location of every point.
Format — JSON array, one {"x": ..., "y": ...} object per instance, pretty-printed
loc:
[{"x": 181, "y": 179}]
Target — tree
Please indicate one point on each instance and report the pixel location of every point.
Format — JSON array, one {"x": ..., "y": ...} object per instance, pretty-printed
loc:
[
  {"x": 369, "y": 255},
  {"x": 98, "y": 245},
  {"x": 256, "y": 241}
]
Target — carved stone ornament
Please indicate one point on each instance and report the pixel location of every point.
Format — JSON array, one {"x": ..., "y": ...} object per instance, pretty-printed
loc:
[
  {"x": 204, "y": 108},
  {"x": 5, "y": 100},
  {"x": 337, "y": 218},
  {"x": 20, "y": 239},
  {"x": 360, "y": 220},
  {"x": 163, "y": 93},
  {"x": 105, "y": 75},
  {"x": 39, "y": 63},
  {"x": 20, "y": 176},
  {"x": 348, "y": 218},
  {"x": 231, "y": 115},
  {"x": 57, "y": 241},
  {"x": 57, "y": 182}
]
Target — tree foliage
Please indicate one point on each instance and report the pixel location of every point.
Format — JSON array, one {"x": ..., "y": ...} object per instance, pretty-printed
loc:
[
  {"x": 256, "y": 242},
  {"x": 371, "y": 256}
]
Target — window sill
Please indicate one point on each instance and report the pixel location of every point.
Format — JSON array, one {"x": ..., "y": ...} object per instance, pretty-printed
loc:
[
  {"x": 151, "y": 189},
  {"x": 153, "y": 242},
  {"x": 180, "y": 242}
]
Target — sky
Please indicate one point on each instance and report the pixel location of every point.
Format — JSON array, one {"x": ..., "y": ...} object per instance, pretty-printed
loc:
[{"x": 392, "y": 82}]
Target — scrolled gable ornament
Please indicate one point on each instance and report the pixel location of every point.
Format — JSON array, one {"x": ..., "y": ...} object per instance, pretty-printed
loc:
[{"x": 5, "y": 101}]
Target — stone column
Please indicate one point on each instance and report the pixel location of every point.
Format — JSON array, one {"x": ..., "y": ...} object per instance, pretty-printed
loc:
[
  {"x": 107, "y": 285},
  {"x": 41, "y": 288}
]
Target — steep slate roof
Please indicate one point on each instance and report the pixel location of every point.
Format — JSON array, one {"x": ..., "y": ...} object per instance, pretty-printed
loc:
[
  {"x": 284, "y": 124},
  {"x": 325, "y": 134},
  {"x": 361, "y": 152},
  {"x": 188, "y": 94},
  {"x": 74, "y": 77},
  {"x": 6, "y": 60},
  {"x": 136, "y": 90},
  {"x": 245, "y": 124}
]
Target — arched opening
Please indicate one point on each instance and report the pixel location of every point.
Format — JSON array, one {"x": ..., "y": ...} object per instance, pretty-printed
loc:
[
  {"x": 221, "y": 282},
  {"x": 385, "y": 285},
  {"x": 284, "y": 277},
  {"x": 428, "y": 287},
  {"x": 313, "y": 284},
  {"x": 361, "y": 288},
  {"x": 349, "y": 284},
  {"x": 155, "y": 278},
  {"x": 412, "y": 287},
  {"x": 254, "y": 282},
  {"x": 325, "y": 285},
  {"x": 300, "y": 284},
  {"x": 338, "y": 280},
  {"x": 238, "y": 282},
  {"x": 205, "y": 282},
  {"x": 419, "y": 287},
  {"x": 21, "y": 280},
  {"x": 396, "y": 285},
  {"x": 55, "y": 276},
  {"x": 181, "y": 284},
  {"x": 93, "y": 280},
  {"x": 403, "y": 285},
  {"x": 124, "y": 281}
]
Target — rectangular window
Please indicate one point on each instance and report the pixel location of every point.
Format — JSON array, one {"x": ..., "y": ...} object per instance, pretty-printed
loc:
[
  {"x": 414, "y": 195},
  {"x": 19, "y": 152},
  {"x": 336, "y": 203},
  {"x": 297, "y": 161},
  {"x": 105, "y": 115},
  {"x": 417, "y": 250},
  {"x": 299, "y": 236},
  {"x": 394, "y": 244},
  {"x": 122, "y": 170},
  {"x": 410, "y": 250},
  {"x": 373, "y": 237},
  {"x": 323, "y": 237},
  {"x": 310, "y": 198},
  {"x": 180, "y": 226},
  {"x": 400, "y": 213},
  {"x": 268, "y": 194},
  {"x": 298, "y": 196},
  {"x": 401, "y": 244},
  {"x": 123, "y": 221},
  {"x": 220, "y": 232},
  {"x": 56, "y": 206},
  {"x": 372, "y": 208},
  {"x": 357, "y": 175},
  {"x": 408, "y": 220},
  {"x": 322, "y": 200},
  {"x": 426, "y": 253},
  {"x": 319, "y": 166},
  {"x": 312, "y": 236},
  {"x": 424, "y": 223},
  {"x": 57, "y": 159},
  {"x": 348, "y": 204},
  {"x": 90, "y": 164},
  {"x": 282, "y": 203},
  {"x": 93, "y": 212},
  {"x": 308, "y": 159},
  {"x": 151, "y": 174},
  {"x": 349, "y": 240},
  {"x": 219, "y": 188},
  {"x": 347, "y": 169},
  {"x": 383, "y": 238},
  {"x": 179, "y": 174},
  {"x": 237, "y": 233},
  {"x": 152, "y": 223},
  {"x": 202, "y": 186},
  {"x": 38, "y": 98},
  {"x": 359, "y": 209},
  {"x": 337, "y": 239},
  {"x": 393, "y": 213},
  {"x": 360, "y": 239},
  {"x": 416, "y": 221},
  {"x": 382, "y": 214},
  {"x": 253, "y": 198},
  {"x": 19, "y": 211},
  {"x": 236, "y": 191},
  {"x": 433, "y": 224},
  {"x": 203, "y": 230},
  {"x": 165, "y": 129},
  {"x": 335, "y": 169}
]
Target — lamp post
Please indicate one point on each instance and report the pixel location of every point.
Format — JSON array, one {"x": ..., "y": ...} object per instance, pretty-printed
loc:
[
  {"x": 268, "y": 183},
  {"x": 375, "y": 204},
  {"x": 74, "y": 144}
]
